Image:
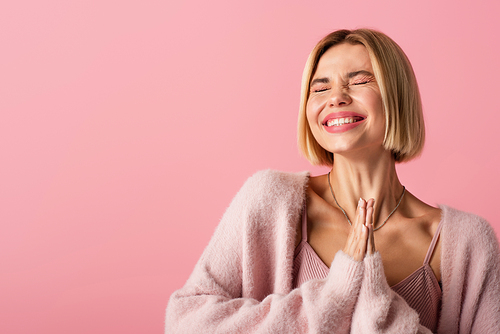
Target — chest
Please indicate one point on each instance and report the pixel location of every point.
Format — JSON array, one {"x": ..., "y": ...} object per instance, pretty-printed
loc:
[{"x": 403, "y": 251}]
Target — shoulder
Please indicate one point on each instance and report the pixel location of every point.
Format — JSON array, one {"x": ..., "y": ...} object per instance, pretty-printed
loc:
[
  {"x": 470, "y": 272},
  {"x": 264, "y": 213},
  {"x": 269, "y": 195},
  {"x": 269, "y": 200},
  {"x": 465, "y": 225},
  {"x": 272, "y": 186},
  {"x": 278, "y": 181},
  {"x": 467, "y": 233}
]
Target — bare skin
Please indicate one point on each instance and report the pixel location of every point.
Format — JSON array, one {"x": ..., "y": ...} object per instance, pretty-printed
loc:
[
  {"x": 403, "y": 242},
  {"x": 344, "y": 85}
]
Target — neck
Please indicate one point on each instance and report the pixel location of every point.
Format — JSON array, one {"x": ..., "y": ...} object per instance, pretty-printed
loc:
[{"x": 368, "y": 178}]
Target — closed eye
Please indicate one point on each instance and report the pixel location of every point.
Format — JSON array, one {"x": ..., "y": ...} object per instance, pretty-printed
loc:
[
  {"x": 361, "y": 82},
  {"x": 319, "y": 85},
  {"x": 319, "y": 90},
  {"x": 360, "y": 78}
]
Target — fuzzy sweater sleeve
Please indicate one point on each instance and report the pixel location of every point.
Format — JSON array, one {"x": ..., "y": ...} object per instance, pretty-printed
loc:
[
  {"x": 240, "y": 284},
  {"x": 379, "y": 308},
  {"x": 470, "y": 271}
]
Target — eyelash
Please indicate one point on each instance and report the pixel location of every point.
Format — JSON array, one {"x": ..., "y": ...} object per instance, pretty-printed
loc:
[{"x": 364, "y": 82}]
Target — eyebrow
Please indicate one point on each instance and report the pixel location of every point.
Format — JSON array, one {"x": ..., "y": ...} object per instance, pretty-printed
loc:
[
  {"x": 362, "y": 72},
  {"x": 319, "y": 80},
  {"x": 350, "y": 75}
]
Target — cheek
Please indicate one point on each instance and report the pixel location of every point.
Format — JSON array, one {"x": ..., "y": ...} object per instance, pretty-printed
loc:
[
  {"x": 309, "y": 115},
  {"x": 312, "y": 120},
  {"x": 375, "y": 100},
  {"x": 313, "y": 109}
]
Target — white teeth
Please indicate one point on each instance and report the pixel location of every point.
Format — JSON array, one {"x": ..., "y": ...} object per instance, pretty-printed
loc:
[{"x": 340, "y": 121}]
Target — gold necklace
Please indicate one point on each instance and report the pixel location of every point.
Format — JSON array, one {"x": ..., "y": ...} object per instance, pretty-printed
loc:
[{"x": 345, "y": 214}]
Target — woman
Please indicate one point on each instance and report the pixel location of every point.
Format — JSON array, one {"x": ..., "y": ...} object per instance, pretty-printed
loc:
[{"x": 350, "y": 251}]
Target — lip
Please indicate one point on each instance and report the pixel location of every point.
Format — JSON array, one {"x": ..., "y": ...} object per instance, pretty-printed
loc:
[{"x": 345, "y": 127}]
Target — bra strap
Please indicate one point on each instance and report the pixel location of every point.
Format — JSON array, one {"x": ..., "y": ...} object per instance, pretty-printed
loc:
[
  {"x": 304, "y": 223},
  {"x": 433, "y": 243}
]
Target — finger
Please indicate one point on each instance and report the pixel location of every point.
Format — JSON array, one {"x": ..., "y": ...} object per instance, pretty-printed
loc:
[
  {"x": 362, "y": 244},
  {"x": 370, "y": 203},
  {"x": 361, "y": 212},
  {"x": 349, "y": 245},
  {"x": 369, "y": 224},
  {"x": 371, "y": 241},
  {"x": 357, "y": 239},
  {"x": 369, "y": 213},
  {"x": 353, "y": 240}
]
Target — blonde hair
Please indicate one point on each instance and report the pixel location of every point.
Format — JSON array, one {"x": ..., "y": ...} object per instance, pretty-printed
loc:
[{"x": 404, "y": 122}]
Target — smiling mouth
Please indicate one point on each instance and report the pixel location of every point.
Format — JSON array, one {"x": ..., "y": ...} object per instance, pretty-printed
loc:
[{"x": 342, "y": 121}]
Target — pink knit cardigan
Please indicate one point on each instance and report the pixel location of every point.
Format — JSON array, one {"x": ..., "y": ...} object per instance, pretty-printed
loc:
[{"x": 243, "y": 280}]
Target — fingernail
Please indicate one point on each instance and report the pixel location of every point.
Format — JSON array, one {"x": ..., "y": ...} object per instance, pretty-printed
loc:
[{"x": 360, "y": 202}]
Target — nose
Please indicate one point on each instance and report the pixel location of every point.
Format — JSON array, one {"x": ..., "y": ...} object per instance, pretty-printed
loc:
[{"x": 339, "y": 97}]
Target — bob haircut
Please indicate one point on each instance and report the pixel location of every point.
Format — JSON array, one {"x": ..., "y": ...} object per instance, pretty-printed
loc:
[{"x": 404, "y": 121}]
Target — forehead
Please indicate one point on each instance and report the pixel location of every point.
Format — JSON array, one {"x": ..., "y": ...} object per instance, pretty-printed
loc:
[{"x": 342, "y": 59}]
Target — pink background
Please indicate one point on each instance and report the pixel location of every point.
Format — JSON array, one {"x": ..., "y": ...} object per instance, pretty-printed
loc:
[{"x": 127, "y": 127}]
